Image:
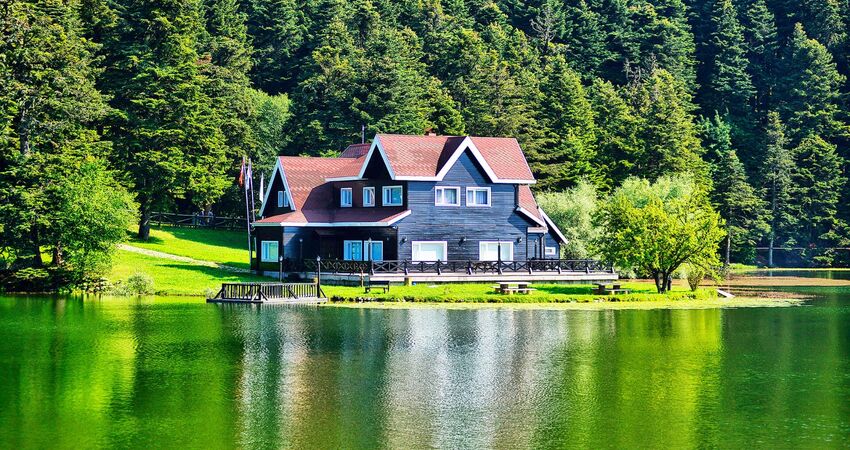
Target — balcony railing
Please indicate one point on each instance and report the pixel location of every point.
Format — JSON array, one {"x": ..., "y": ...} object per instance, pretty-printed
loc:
[{"x": 469, "y": 267}]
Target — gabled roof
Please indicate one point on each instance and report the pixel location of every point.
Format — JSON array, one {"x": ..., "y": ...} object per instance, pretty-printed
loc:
[
  {"x": 412, "y": 157},
  {"x": 355, "y": 150}
]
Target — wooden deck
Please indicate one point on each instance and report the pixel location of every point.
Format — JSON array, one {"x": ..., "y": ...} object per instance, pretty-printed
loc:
[{"x": 270, "y": 293}]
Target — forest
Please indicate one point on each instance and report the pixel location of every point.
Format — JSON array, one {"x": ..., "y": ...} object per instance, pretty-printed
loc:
[{"x": 153, "y": 104}]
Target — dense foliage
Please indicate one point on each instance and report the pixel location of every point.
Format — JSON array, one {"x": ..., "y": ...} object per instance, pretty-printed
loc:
[
  {"x": 655, "y": 228},
  {"x": 746, "y": 96}
]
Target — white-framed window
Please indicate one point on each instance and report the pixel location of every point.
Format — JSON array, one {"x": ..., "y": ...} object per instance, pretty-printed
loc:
[
  {"x": 477, "y": 196},
  {"x": 369, "y": 196},
  {"x": 489, "y": 250},
  {"x": 363, "y": 250},
  {"x": 391, "y": 196},
  {"x": 269, "y": 251},
  {"x": 282, "y": 199},
  {"x": 429, "y": 250},
  {"x": 345, "y": 197},
  {"x": 551, "y": 251},
  {"x": 447, "y": 196}
]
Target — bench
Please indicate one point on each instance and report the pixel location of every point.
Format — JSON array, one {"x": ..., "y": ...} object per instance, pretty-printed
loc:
[
  {"x": 385, "y": 285},
  {"x": 508, "y": 288},
  {"x": 603, "y": 289}
]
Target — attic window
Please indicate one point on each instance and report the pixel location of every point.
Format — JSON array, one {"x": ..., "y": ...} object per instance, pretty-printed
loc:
[
  {"x": 391, "y": 196},
  {"x": 282, "y": 199},
  {"x": 345, "y": 197}
]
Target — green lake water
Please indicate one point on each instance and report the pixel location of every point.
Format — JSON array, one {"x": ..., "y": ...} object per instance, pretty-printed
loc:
[{"x": 179, "y": 373}]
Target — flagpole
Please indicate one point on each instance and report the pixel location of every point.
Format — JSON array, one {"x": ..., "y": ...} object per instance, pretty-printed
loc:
[
  {"x": 251, "y": 177},
  {"x": 247, "y": 213}
]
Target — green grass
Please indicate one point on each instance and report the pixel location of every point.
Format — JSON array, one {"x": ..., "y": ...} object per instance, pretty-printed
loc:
[
  {"x": 174, "y": 277},
  {"x": 223, "y": 247},
  {"x": 484, "y": 293}
]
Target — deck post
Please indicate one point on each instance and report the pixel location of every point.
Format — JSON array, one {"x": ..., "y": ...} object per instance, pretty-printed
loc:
[{"x": 318, "y": 275}]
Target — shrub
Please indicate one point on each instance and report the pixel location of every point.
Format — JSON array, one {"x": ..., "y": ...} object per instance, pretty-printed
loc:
[{"x": 136, "y": 284}]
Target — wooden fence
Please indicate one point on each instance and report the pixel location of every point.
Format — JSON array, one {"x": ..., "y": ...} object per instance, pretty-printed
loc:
[
  {"x": 468, "y": 267},
  {"x": 198, "y": 221},
  {"x": 260, "y": 292}
]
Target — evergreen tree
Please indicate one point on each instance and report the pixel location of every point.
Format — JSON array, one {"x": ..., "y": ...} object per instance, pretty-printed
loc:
[
  {"x": 619, "y": 150},
  {"x": 568, "y": 152},
  {"x": 659, "y": 36},
  {"x": 668, "y": 132},
  {"x": 735, "y": 199},
  {"x": 762, "y": 51},
  {"x": 776, "y": 174},
  {"x": 49, "y": 110},
  {"x": 819, "y": 181},
  {"x": 168, "y": 137},
  {"x": 278, "y": 29},
  {"x": 728, "y": 89},
  {"x": 809, "y": 101}
]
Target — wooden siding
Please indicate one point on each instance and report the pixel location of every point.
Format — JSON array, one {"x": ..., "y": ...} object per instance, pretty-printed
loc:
[
  {"x": 452, "y": 223},
  {"x": 271, "y": 208}
]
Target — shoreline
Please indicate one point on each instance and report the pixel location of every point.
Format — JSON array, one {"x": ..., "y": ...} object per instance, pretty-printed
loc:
[{"x": 737, "y": 302}]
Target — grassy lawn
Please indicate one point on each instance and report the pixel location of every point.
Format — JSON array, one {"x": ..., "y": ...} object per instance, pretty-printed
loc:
[
  {"x": 223, "y": 247},
  {"x": 484, "y": 293},
  {"x": 174, "y": 277}
]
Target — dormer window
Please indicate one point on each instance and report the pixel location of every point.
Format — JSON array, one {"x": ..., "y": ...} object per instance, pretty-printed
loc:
[
  {"x": 282, "y": 199},
  {"x": 345, "y": 197},
  {"x": 391, "y": 196},
  {"x": 369, "y": 196}
]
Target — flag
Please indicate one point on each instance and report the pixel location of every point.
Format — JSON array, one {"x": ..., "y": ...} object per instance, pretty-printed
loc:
[
  {"x": 241, "y": 179},
  {"x": 248, "y": 180},
  {"x": 262, "y": 184}
]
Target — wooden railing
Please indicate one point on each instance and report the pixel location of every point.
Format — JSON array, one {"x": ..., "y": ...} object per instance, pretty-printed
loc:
[
  {"x": 253, "y": 292},
  {"x": 468, "y": 267},
  {"x": 198, "y": 221}
]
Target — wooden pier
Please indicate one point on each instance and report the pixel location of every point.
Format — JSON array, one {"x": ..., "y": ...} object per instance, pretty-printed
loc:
[{"x": 268, "y": 293}]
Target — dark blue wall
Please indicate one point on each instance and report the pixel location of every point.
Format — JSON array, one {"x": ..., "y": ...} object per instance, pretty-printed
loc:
[{"x": 451, "y": 223}]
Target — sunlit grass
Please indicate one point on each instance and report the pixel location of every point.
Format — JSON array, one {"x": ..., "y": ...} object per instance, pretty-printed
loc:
[
  {"x": 174, "y": 277},
  {"x": 220, "y": 246}
]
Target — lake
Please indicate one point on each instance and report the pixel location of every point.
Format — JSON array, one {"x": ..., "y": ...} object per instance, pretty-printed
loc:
[{"x": 166, "y": 372}]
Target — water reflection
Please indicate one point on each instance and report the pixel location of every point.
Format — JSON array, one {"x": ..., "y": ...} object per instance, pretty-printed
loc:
[{"x": 168, "y": 372}]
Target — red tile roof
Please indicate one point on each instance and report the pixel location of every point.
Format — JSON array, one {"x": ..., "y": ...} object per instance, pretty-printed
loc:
[
  {"x": 306, "y": 178},
  {"x": 355, "y": 150},
  {"x": 421, "y": 156},
  {"x": 425, "y": 156},
  {"x": 528, "y": 203},
  {"x": 504, "y": 156},
  {"x": 338, "y": 215}
]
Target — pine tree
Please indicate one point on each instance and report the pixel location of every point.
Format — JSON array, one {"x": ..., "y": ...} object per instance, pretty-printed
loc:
[
  {"x": 763, "y": 47},
  {"x": 278, "y": 29},
  {"x": 617, "y": 126},
  {"x": 568, "y": 152},
  {"x": 668, "y": 132},
  {"x": 809, "y": 101},
  {"x": 776, "y": 172},
  {"x": 659, "y": 36},
  {"x": 736, "y": 200},
  {"x": 49, "y": 111},
  {"x": 168, "y": 136},
  {"x": 729, "y": 89},
  {"x": 819, "y": 182}
]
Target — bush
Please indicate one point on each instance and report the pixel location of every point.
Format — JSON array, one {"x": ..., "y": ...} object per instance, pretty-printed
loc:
[{"x": 136, "y": 284}]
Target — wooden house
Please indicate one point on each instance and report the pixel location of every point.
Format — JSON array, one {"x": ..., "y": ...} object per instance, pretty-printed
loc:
[{"x": 411, "y": 199}]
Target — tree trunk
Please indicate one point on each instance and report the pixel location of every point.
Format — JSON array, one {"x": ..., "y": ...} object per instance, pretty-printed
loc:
[
  {"x": 57, "y": 254},
  {"x": 669, "y": 282},
  {"x": 770, "y": 252},
  {"x": 728, "y": 247},
  {"x": 145, "y": 222},
  {"x": 37, "y": 260},
  {"x": 658, "y": 284}
]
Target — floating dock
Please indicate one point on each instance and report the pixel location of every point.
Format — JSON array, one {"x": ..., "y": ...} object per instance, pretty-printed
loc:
[{"x": 270, "y": 293}]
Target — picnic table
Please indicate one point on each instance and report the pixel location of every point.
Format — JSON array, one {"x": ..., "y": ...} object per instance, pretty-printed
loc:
[
  {"x": 603, "y": 289},
  {"x": 513, "y": 287}
]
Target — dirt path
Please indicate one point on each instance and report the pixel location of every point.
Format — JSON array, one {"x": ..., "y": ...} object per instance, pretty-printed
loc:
[{"x": 185, "y": 259}]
